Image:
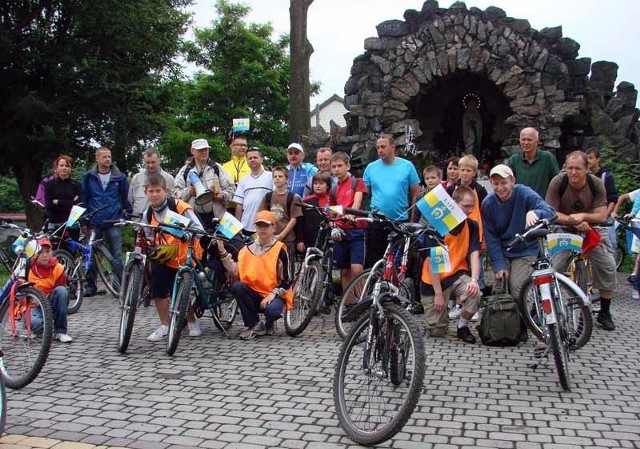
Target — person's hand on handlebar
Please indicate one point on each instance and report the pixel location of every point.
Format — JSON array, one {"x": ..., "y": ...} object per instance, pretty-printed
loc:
[{"x": 531, "y": 218}]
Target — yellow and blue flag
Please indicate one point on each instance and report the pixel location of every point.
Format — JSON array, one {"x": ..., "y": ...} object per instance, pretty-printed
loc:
[
  {"x": 241, "y": 125},
  {"x": 563, "y": 241},
  {"x": 75, "y": 214},
  {"x": 439, "y": 209},
  {"x": 440, "y": 262},
  {"x": 336, "y": 209},
  {"x": 229, "y": 225}
]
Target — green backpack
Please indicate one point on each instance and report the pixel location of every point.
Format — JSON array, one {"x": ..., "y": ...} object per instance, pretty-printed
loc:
[{"x": 501, "y": 323}]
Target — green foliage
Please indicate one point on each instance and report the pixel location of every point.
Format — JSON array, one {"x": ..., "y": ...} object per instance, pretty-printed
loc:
[
  {"x": 626, "y": 174},
  {"x": 10, "y": 200},
  {"x": 244, "y": 73}
]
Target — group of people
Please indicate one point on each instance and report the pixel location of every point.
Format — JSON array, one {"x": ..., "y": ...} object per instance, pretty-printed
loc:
[{"x": 528, "y": 188}]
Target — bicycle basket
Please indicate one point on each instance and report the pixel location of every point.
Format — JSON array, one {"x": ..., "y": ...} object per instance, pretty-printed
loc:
[{"x": 163, "y": 253}]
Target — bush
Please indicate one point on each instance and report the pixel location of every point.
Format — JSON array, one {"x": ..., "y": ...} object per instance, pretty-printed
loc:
[{"x": 10, "y": 200}]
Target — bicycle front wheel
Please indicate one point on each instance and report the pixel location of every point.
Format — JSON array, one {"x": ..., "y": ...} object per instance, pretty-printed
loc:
[
  {"x": 178, "y": 312},
  {"x": 578, "y": 316},
  {"x": 306, "y": 296},
  {"x": 106, "y": 270},
  {"x": 374, "y": 403},
  {"x": 226, "y": 307},
  {"x": 132, "y": 291},
  {"x": 25, "y": 336},
  {"x": 74, "y": 270},
  {"x": 358, "y": 289},
  {"x": 560, "y": 355}
]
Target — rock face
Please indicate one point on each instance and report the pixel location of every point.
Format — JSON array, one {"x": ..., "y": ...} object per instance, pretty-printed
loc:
[{"x": 536, "y": 73}]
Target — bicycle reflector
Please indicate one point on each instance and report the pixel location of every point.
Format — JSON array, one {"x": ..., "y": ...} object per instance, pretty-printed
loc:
[
  {"x": 546, "y": 305},
  {"x": 544, "y": 279}
]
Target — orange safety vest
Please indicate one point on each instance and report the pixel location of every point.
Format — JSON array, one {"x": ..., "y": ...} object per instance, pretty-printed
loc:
[
  {"x": 458, "y": 246},
  {"x": 260, "y": 273},
  {"x": 46, "y": 284},
  {"x": 164, "y": 238}
]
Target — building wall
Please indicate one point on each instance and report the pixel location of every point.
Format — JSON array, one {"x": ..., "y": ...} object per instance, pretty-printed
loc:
[{"x": 333, "y": 111}]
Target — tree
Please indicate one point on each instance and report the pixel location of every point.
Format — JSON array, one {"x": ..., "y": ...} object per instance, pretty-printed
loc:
[
  {"x": 301, "y": 50},
  {"x": 244, "y": 73},
  {"x": 76, "y": 73}
]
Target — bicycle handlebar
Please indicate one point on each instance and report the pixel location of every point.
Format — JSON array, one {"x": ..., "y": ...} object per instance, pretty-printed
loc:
[{"x": 544, "y": 223}]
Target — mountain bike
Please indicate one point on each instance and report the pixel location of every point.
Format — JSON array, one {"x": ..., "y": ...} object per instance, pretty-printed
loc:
[
  {"x": 554, "y": 308},
  {"x": 26, "y": 320},
  {"x": 380, "y": 370},
  {"x": 394, "y": 267}
]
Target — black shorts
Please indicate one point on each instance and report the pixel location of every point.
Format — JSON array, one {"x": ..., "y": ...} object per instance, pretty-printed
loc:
[{"x": 162, "y": 278}]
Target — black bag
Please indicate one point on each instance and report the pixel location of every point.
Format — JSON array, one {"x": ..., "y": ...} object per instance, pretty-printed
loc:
[{"x": 501, "y": 323}]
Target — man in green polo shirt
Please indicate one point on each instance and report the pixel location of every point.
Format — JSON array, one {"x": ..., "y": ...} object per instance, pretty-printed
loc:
[{"x": 532, "y": 167}]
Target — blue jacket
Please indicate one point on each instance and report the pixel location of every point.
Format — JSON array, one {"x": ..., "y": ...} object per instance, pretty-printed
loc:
[
  {"x": 114, "y": 197},
  {"x": 502, "y": 221}
]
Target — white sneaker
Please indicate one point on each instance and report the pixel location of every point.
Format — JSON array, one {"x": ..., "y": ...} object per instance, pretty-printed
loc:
[
  {"x": 159, "y": 333},
  {"x": 194, "y": 329},
  {"x": 455, "y": 312},
  {"x": 63, "y": 338},
  {"x": 635, "y": 294},
  {"x": 476, "y": 316}
]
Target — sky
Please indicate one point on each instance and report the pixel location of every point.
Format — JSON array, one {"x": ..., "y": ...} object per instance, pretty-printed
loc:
[{"x": 605, "y": 30}]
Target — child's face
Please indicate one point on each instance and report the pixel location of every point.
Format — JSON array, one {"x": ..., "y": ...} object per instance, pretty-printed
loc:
[
  {"x": 466, "y": 175},
  {"x": 452, "y": 172},
  {"x": 44, "y": 256},
  {"x": 431, "y": 179},
  {"x": 340, "y": 169},
  {"x": 279, "y": 179},
  {"x": 319, "y": 187},
  {"x": 155, "y": 195}
]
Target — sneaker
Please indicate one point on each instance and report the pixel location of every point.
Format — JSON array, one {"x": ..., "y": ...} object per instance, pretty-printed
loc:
[
  {"x": 257, "y": 330},
  {"x": 194, "y": 329},
  {"x": 605, "y": 320},
  {"x": 271, "y": 330},
  {"x": 635, "y": 294},
  {"x": 455, "y": 312},
  {"x": 464, "y": 334},
  {"x": 63, "y": 338},
  {"x": 416, "y": 308},
  {"x": 159, "y": 333}
]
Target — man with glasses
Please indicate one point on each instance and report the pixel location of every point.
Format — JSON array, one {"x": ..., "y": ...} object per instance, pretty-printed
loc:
[
  {"x": 580, "y": 199},
  {"x": 237, "y": 168}
]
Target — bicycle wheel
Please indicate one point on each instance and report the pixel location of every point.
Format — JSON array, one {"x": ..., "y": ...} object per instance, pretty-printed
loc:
[
  {"x": 307, "y": 290},
  {"x": 560, "y": 355},
  {"x": 358, "y": 289},
  {"x": 621, "y": 249},
  {"x": 74, "y": 270},
  {"x": 225, "y": 308},
  {"x": 106, "y": 270},
  {"x": 578, "y": 315},
  {"x": 3, "y": 403},
  {"x": 178, "y": 312},
  {"x": 132, "y": 291},
  {"x": 25, "y": 347},
  {"x": 372, "y": 404}
]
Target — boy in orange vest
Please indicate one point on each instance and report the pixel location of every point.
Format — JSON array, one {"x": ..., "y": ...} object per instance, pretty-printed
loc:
[
  {"x": 48, "y": 276},
  {"x": 174, "y": 253},
  {"x": 463, "y": 243},
  {"x": 264, "y": 280}
]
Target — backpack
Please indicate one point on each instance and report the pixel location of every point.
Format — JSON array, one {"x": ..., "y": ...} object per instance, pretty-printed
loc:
[
  {"x": 192, "y": 164},
  {"x": 564, "y": 183},
  {"x": 290, "y": 198},
  {"x": 334, "y": 190},
  {"x": 501, "y": 323}
]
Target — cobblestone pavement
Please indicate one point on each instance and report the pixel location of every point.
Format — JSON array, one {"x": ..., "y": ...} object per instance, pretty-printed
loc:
[{"x": 276, "y": 391}]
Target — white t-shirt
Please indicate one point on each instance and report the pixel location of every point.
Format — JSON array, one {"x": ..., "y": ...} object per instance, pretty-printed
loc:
[{"x": 249, "y": 193}]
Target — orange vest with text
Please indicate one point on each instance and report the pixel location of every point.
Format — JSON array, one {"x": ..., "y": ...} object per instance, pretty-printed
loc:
[
  {"x": 458, "y": 246},
  {"x": 260, "y": 273},
  {"x": 164, "y": 238}
]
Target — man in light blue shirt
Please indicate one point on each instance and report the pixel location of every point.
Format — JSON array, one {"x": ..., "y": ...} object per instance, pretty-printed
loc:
[
  {"x": 394, "y": 185},
  {"x": 299, "y": 171}
]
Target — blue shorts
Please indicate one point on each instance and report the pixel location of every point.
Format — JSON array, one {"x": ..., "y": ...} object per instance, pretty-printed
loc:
[
  {"x": 350, "y": 250},
  {"x": 162, "y": 278}
]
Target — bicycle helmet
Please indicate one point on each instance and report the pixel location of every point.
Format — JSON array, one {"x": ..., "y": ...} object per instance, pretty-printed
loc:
[{"x": 163, "y": 253}]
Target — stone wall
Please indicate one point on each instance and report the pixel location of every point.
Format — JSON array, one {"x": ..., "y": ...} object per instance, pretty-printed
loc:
[{"x": 545, "y": 83}]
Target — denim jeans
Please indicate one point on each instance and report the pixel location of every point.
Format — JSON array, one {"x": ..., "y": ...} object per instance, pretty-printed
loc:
[
  {"x": 249, "y": 303},
  {"x": 58, "y": 299},
  {"x": 112, "y": 237}
]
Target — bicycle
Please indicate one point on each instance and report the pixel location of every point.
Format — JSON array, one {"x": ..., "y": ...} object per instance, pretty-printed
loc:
[
  {"x": 380, "y": 370},
  {"x": 199, "y": 287},
  {"x": 313, "y": 283},
  {"x": 3, "y": 400},
  {"x": 25, "y": 347},
  {"x": 393, "y": 268},
  {"x": 554, "y": 308}
]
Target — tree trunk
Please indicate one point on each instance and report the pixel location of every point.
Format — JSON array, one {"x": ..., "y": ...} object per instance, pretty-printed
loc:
[
  {"x": 301, "y": 50},
  {"x": 28, "y": 175}
]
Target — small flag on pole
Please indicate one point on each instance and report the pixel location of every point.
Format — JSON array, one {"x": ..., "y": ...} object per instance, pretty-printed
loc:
[
  {"x": 229, "y": 225},
  {"x": 440, "y": 262},
  {"x": 563, "y": 241},
  {"x": 335, "y": 209},
  {"x": 439, "y": 209},
  {"x": 75, "y": 214},
  {"x": 241, "y": 125},
  {"x": 174, "y": 218}
]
